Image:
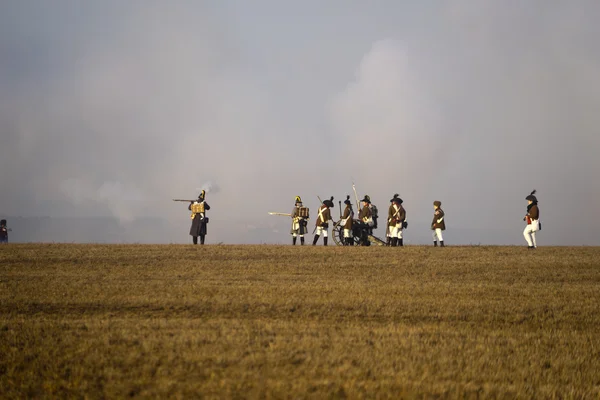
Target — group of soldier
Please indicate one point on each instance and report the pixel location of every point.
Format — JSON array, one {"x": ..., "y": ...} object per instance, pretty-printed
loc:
[{"x": 361, "y": 227}]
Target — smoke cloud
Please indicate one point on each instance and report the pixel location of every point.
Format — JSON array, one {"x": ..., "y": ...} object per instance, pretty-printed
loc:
[{"x": 113, "y": 109}]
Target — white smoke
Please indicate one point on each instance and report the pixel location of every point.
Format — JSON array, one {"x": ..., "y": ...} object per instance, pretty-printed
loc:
[
  {"x": 123, "y": 202},
  {"x": 209, "y": 187}
]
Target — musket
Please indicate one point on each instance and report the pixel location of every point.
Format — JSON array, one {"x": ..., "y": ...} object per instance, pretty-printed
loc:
[
  {"x": 187, "y": 201},
  {"x": 356, "y": 196},
  {"x": 280, "y": 213}
]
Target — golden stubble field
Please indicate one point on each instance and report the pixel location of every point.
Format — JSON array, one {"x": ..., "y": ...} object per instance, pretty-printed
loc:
[{"x": 264, "y": 321}]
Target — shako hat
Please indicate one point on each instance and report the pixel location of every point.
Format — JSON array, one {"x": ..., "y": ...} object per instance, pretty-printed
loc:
[
  {"x": 437, "y": 203},
  {"x": 531, "y": 197},
  {"x": 298, "y": 200},
  {"x": 347, "y": 201},
  {"x": 367, "y": 199},
  {"x": 329, "y": 202}
]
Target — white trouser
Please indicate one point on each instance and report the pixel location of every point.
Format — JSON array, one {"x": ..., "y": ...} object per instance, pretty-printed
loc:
[
  {"x": 437, "y": 235},
  {"x": 397, "y": 231},
  {"x": 529, "y": 233},
  {"x": 347, "y": 233},
  {"x": 388, "y": 231},
  {"x": 320, "y": 230}
]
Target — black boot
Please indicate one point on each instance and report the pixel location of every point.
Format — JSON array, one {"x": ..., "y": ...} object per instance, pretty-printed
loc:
[
  {"x": 324, "y": 241},
  {"x": 434, "y": 244},
  {"x": 294, "y": 241},
  {"x": 202, "y": 239},
  {"x": 302, "y": 241},
  {"x": 195, "y": 239},
  {"x": 388, "y": 242},
  {"x": 315, "y": 240},
  {"x": 400, "y": 242},
  {"x": 394, "y": 242},
  {"x": 442, "y": 243}
]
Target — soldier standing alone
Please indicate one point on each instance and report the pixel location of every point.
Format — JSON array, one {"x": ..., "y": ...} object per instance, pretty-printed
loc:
[
  {"x": 532, "y": 218},
  {"x": 199, "y": 219},
  {"x": 438, "y": 224},
  {"x": 322, "y": 222},
  {"x": 4, "y": 232}
]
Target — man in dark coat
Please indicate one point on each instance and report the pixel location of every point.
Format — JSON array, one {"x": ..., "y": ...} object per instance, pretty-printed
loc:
[
  {"x": 199, "y": 218},
  {"x": 3, "y": 232},
  {"x": 347, "y": 222}
]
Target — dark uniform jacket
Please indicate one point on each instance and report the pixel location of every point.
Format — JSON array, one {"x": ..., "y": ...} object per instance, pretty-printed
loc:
[
  {"x": 533, "y": 213},
  {"x": 364, "y": 214},
  {"x": 348, "y": 215},
  {"x": 199, "y": 222},
  {"x": 324, "y": 216},
  {"x": 437, "y": 215}
]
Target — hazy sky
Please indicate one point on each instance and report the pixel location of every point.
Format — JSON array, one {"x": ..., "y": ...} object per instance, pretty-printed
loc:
[{"x": 116, "y": 107}]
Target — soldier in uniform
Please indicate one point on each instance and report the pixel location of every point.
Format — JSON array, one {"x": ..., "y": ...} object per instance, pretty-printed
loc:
[
  {"x": 299, "y": 221},
  {"x": 4, "y": 232},
  {"x": 199, "y": 218},
  {"x": 374, "y": 214},
  {"x": 390, "y": 223},
  {"x": 347, "y": 221},
  {"x": 322, "y": 222},
  {"x": 533, "y": 220},
  {"x": 366, "y": 220},
  {"x": 397, "y": 221},
  {"x": 438, "y": 224}
]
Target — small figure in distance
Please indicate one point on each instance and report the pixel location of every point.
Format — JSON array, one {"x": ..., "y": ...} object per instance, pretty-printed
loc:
[
  {"x": 366, "y": 221},
  {"x": 398, "y": 221},
  {"x": 438, "y": 224},
  {"x": 533, "y": 220},
  {"x": 4, "y": 231},
  {"x": 322, "y": 222},
  {"x": 347, "y": 221},
  {"x": 199, "y": 218},
  {"x": 300, "y": 218}
]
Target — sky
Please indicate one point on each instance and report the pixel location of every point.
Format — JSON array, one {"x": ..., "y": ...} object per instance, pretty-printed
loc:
[{"x": 112, "y": 109}]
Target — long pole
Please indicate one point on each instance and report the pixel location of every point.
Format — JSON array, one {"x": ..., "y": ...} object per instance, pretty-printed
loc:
[{"x": 356, "y": 197}]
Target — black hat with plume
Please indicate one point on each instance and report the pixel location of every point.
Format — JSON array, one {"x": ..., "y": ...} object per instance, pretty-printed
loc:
[
  {"x": 397, "y": 199},
  {"x": 347, "y": 201},
  {"x": 531, "y": 197},
  {"x": 329, "y": 202}
]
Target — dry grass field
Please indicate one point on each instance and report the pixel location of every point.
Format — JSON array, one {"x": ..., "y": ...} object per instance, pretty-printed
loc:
[{"x": 224, "y": 321}]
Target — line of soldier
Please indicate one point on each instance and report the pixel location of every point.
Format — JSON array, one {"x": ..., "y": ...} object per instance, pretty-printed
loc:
[
  {"x": 367, "y": 221},
  {"x": 396, "y": 221},
  {"x": 365, "y": 224}
]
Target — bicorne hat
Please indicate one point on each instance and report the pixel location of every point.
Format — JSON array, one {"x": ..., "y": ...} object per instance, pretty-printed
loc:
[
  {"x": 531, "y": 196},
  {"x": 329, "y": 202},
  {"x": 347, "y": 201},
  {"x": 396, "y": 199}
]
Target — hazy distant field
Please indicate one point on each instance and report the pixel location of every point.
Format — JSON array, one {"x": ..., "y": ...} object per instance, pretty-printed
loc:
[{"x": 283, "y": 321}]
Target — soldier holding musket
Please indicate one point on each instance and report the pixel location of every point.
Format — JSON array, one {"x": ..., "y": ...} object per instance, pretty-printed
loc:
[
  {"x": 199, "y": 218},
  {"x": 322, "y": 222}
]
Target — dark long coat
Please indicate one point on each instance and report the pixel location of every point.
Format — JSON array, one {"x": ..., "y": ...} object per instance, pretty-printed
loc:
[{"x": 199, "y": 222}]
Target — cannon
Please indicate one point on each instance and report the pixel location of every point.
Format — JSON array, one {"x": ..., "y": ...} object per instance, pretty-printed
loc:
[{"x": 358, "y": 230}]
